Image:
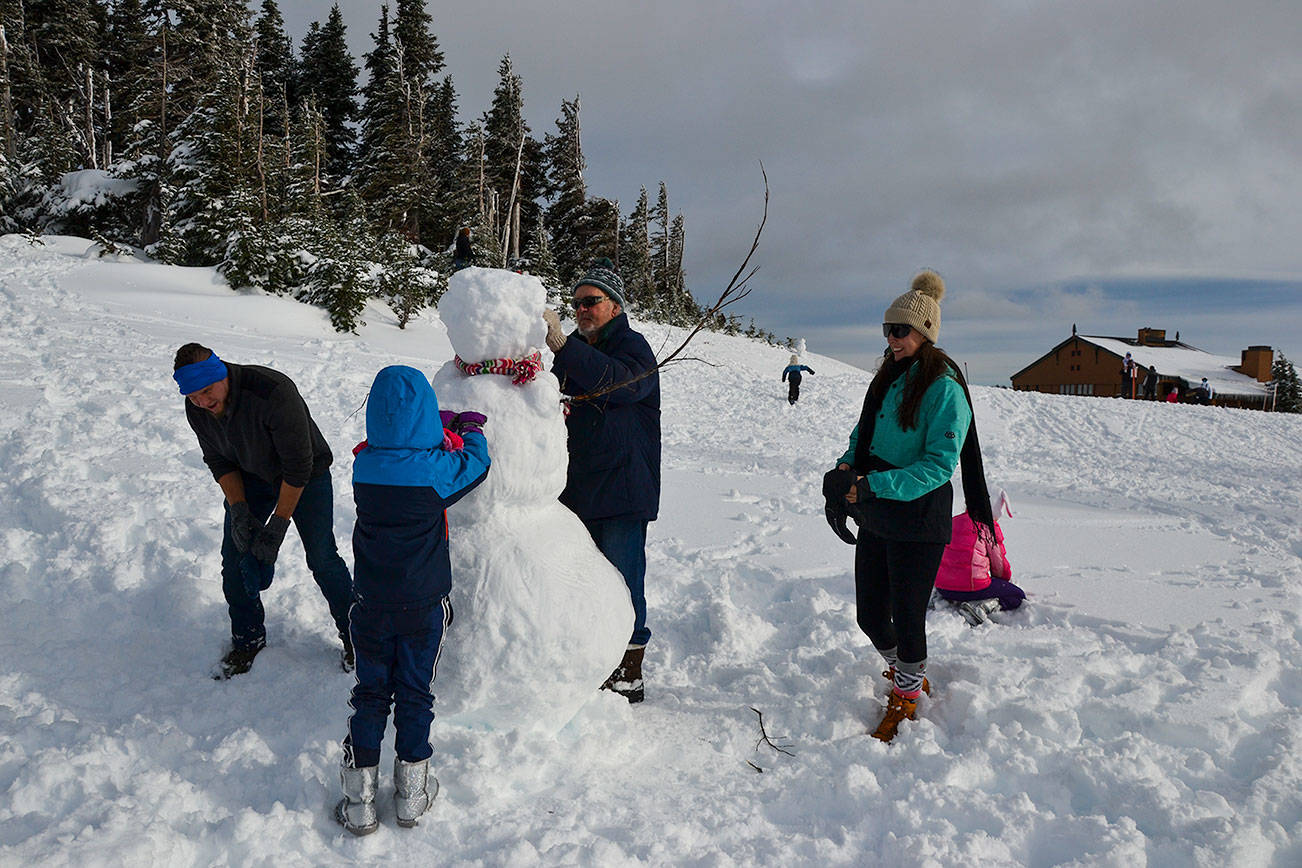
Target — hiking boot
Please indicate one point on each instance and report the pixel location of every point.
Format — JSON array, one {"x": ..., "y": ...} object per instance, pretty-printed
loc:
[
  {"x": 356, "y": 810},
  {"x": 626, "y": 680},
  {"x": 978, "y": 611},
  {"x": 237, "y": 661},
  {"x": 412, "y": 791},
  {"x": 347, "y": 659},
  {"x": 897, "y": 709},
  {"x": 889, "y": 675}
]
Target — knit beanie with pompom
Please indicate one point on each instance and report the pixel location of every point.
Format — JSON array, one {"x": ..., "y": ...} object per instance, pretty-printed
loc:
[{"x": 920, "y": 306}]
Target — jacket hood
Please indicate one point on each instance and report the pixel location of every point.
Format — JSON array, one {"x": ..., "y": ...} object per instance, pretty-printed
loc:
[{"x": 402, "y": 411}]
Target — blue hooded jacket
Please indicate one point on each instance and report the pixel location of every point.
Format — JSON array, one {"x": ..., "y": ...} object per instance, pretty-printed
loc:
[{"x": 403, "y": 480}]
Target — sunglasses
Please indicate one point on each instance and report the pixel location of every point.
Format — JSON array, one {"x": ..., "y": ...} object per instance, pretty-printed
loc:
[
  {"x": 897, "y": 330},
  {"x": 587, "y": 301}
]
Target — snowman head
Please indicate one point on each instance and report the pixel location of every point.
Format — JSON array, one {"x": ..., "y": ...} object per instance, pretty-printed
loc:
[{"x": 491, "y": 313}]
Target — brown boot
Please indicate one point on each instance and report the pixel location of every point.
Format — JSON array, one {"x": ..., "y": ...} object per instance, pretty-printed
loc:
[
  {"x": 889, "y": 675},
  {"x": 626, "y": 680},
  {"x": 897, "y": 709}
]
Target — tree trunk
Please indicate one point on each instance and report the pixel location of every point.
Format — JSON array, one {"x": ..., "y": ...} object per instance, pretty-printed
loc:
[{"x": 11, "y": 151}]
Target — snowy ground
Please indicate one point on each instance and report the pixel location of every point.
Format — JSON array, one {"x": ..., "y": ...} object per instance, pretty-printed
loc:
[{"x": 1141, "y": 708}]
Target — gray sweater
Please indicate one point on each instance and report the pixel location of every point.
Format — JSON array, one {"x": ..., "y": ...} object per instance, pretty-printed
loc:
[{"x": 266, "y": 430}]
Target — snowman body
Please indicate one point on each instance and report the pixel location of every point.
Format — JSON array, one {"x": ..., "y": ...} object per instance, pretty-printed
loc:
[{"x": 541, "y": 617}]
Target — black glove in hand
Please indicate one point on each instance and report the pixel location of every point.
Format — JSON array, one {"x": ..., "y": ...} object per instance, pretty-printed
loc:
[
  {"x": 243, "y": 526},
  {"x": 836, "y": 521},
  {"x": 837, "y": 484},
  {"x": 266, "y": 545}
]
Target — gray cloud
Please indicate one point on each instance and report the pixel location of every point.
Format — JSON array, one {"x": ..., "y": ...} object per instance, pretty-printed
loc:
[{"x": 1007, "y": 144}]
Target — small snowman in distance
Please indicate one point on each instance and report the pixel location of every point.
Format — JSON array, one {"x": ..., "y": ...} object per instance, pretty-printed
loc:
[{"x": 542, "y": 618}]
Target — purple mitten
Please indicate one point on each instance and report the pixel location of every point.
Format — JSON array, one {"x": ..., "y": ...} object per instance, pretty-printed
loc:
[
  {"x": 469, "y": 422},
  {"x": 446, "y": 418}
]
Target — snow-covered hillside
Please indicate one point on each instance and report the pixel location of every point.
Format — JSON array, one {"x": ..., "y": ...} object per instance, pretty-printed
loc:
[{"x": 1143, "y": 707}]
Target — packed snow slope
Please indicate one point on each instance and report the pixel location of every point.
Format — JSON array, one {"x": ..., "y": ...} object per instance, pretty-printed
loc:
[{"x": 1141, "y": 708}]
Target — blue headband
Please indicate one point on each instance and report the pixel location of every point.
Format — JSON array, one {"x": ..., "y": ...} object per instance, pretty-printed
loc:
[{"x": 200, "y": 375}]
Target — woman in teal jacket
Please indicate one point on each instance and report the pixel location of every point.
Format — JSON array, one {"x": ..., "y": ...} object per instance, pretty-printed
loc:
[{"x": 915, "y": 427}]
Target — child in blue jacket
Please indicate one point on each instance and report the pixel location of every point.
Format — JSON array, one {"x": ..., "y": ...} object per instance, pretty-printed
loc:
[{"x": 405, "y": 475}]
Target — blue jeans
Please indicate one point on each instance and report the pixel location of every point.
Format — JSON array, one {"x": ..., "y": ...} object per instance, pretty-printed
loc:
[
  {"x": 314, "y": 518},
  {"x": 397, "y": 660},
  {"x": 623, "y": 542}
]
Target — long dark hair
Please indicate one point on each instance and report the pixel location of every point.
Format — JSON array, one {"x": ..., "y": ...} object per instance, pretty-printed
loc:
[{"x": 932, "y": 364}]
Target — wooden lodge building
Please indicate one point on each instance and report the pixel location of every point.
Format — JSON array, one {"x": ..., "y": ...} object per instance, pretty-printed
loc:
[{"x": 1092, "y": 365}]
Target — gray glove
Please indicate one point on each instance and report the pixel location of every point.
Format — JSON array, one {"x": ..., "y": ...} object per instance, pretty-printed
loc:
[
  {"x": 266, "y": 545},
  {"x": 555, "y": 336},
  {"x": 243, "y": 526}
]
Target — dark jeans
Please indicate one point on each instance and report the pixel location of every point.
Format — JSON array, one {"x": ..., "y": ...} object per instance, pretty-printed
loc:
[
  {"x": 793, "y": 391},
  {"x": 314, "y": 518},
  {"x": 1009, "y": 595},
  {"x": 623, "y": 542},
  {"x": 892, "y": 586},
  {"x": 397, "y": 661}
]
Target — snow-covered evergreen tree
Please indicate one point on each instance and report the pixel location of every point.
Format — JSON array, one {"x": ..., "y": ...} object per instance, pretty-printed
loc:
[
  {"x": 567, "y": 216},
  {"x": 540, "y": 262},
  {"x": 1288, "y": 387},
  {"x": 275, "y": 66},
  {"x": 514, "y": 167},
  {"x": 635, "y": 255},
  {"x": 326, "y": 71}
]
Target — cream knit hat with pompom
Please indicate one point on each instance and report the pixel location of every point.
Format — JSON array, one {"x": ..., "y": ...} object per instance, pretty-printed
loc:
[{"x": 920, "y": 306}]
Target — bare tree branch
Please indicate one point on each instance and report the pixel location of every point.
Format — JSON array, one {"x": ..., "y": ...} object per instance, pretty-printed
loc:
[
  {"x": 764, "y": 736},
  {"x": 735, "y": 291}
]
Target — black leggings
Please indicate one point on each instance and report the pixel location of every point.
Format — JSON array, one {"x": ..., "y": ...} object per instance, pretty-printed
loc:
[{"x": 892, "y": 585}]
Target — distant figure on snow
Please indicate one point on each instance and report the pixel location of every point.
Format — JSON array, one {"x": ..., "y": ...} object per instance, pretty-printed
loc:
[
  {"x": 791, "y": 373},
  {"x": 1150, "y": 385},
  {"x": 1204, "y": 391},
  {"x": 1173, "y": 396},
  {"x": 261, "y": 445},
  {"x": 463, "y": 255},
  {"x": 414, "y": 463},
  {"x": 975, "y": 573},
  {"x": 1128, "y": 377}
]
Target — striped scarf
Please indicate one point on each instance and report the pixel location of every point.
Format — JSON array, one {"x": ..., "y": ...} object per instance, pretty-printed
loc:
[{"x": 520, "y": 371}]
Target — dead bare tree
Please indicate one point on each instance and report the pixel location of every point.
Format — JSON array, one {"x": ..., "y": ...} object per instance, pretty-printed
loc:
[{"x": 737, "y": 289}]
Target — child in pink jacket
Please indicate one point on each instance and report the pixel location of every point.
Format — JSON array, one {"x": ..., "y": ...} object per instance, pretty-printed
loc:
[{"x": 974, "y": 571}]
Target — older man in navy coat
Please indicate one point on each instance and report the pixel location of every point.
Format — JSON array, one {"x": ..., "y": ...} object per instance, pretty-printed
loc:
[{"x": 613, "y": 483}]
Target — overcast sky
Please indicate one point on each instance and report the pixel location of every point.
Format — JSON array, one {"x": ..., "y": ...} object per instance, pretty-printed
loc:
[{"x": 1108, "y": 164}]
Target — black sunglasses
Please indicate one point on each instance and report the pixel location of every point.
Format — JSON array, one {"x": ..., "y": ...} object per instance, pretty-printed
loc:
[
  {"x": 587, "y": 301},
  {"x": 897, "y": 330}
]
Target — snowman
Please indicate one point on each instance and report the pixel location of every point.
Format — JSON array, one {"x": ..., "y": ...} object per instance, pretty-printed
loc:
[{"x": 541, "y": 617}]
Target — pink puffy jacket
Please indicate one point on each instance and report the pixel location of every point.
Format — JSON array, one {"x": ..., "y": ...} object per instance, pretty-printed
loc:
[{"x": 969, "y": 561}]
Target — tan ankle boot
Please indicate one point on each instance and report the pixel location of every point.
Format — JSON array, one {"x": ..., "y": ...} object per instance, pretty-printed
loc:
[{"x": 897, "y": 709}]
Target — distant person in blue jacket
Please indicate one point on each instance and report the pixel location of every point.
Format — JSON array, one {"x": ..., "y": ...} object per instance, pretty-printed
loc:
[
  {"x": 407, "y": 472},
  {"x": 791, "y": 373},
  {"x": 613, "y": 481}
]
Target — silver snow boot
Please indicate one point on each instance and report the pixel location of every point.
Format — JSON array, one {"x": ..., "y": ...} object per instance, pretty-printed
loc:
[
  {"x": 414, "y": 789},
  {"x": 356, "y": 810},
  {"x": 977, "y": 611}
]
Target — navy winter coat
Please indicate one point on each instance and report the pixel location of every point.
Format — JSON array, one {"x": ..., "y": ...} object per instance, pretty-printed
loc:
[
  {"x": 403, "y": 480},
  {"x": 614, "y": 440}
]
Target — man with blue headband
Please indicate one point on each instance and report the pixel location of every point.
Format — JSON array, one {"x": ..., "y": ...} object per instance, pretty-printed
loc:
[{"x": 273, "y": 466}]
